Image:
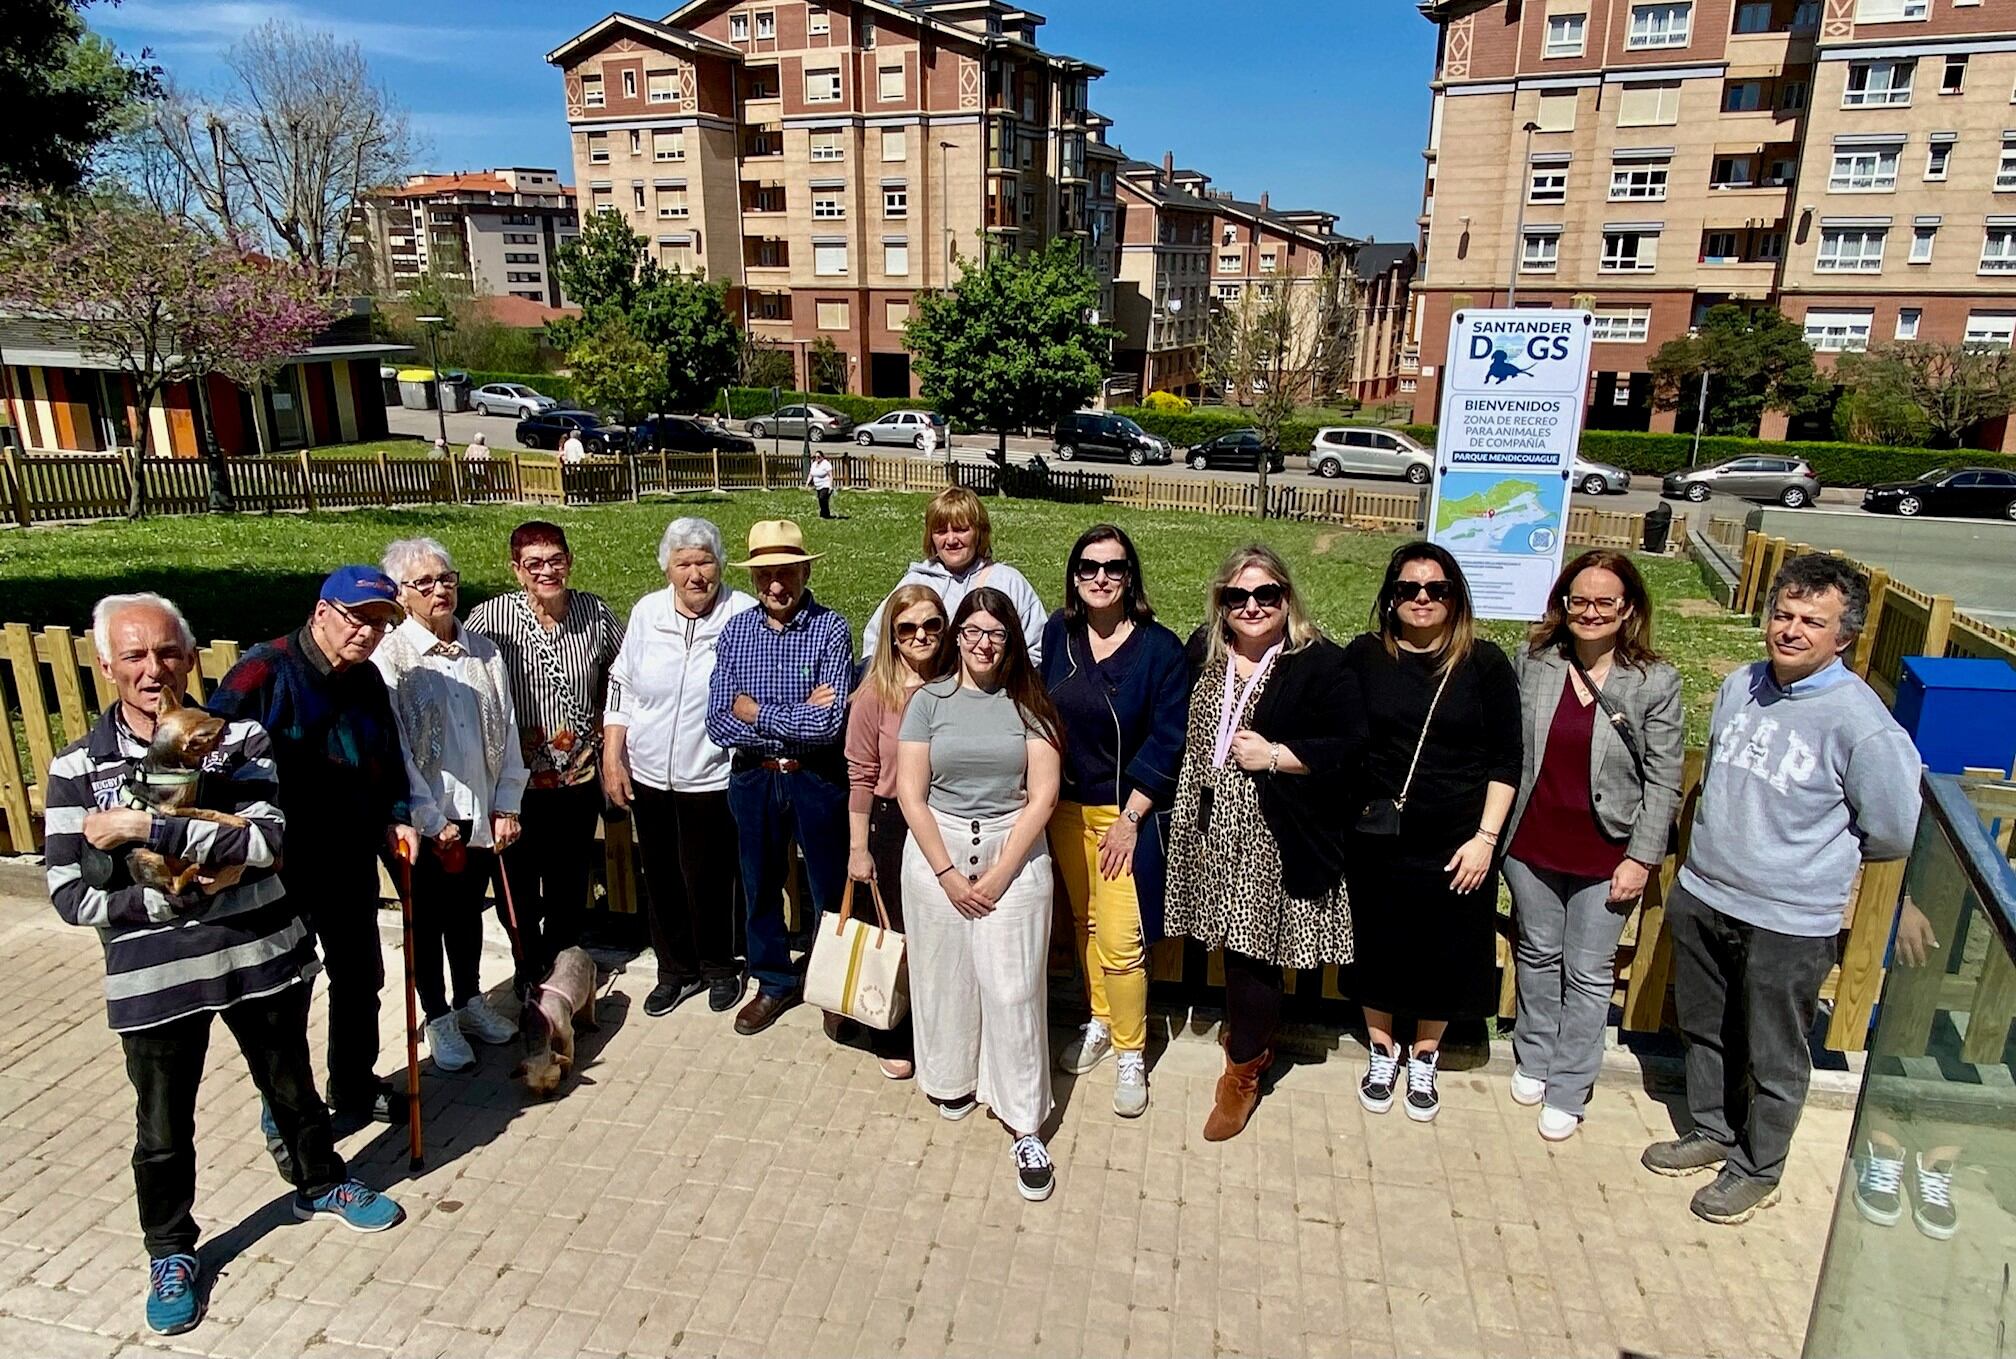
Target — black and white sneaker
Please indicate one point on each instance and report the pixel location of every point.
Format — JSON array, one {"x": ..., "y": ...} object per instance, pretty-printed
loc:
[
  {"x": 1423, "y": 1103},
  {"x": 952, "y": 1110},
  {"x": 1382, "y": 1069},
  {"x": 1034, "y": 1175}
]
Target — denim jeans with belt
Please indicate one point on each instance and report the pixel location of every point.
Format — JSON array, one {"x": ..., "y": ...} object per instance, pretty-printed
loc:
[{"x": 772, "y": 807}]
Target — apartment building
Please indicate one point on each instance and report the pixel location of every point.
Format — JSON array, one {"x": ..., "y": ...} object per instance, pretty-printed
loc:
[
  {"x": 828, "y": 161},
  {"x": 1385, "y": 274},
  {"x": 500, "y": 229},
  {"x": 1844, "y": 160},
  {"x": 1161, "y": 290}
]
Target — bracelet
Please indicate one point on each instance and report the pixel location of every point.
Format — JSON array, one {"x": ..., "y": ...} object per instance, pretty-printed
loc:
[
  {"x": 1274, "y": 758},
  {"x": 943, "y": 871},
  {"x": 1489, "y": 837}
]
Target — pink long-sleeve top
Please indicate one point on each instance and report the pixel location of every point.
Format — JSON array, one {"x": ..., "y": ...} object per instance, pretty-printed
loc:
[{"x": 871, "y": 747}]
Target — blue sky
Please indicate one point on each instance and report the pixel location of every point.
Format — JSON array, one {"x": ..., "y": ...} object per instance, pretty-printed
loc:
[{"x": 1322, "y": 102}]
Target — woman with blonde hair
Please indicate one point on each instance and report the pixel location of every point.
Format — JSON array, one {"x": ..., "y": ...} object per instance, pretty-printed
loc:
[
  {"x": 959, "y": 558},
  {"x": 913, "y": 647},
  {"x": 1256, "y": 857}
]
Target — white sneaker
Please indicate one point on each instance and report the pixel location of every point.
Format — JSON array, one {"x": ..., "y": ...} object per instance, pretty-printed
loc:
[
  {"x": 479, "y": 1019},
  {"x": 1087, "y": 1050},
  {"x": 445, "y": 1043},
  {"x": 1130, "y": 1092},
  {"x": 1557, "y": 1126},
  {"x": 1526, "y": 1089}
]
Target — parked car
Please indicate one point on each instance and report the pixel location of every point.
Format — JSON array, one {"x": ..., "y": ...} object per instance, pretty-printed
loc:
[
  {"x": 1789, "y": 481},
  {"x": 905, "y": 428},
  {"x": 1238, "y": 449},
  {"x": 549, "y": 430},
  {"x": 1096, "y": 434},
  {"x": 1962, "y": 492},
  {"x": 1364, "y": 451},
  {"x": 1599, "y": 478},
  {"x": 510, "y": 398},
  {"x": 687, "y": 434},
  {"x": 791, "y": 422}
]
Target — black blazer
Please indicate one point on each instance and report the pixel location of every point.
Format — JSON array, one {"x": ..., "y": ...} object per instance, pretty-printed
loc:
[{"x": 1301, "y": 708}]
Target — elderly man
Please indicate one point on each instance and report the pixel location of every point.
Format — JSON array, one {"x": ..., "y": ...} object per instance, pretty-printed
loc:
[
  {"x": 343, "y": 787},
  {"x": 230, "y": 944},
  {"x": 1808, "y": 776},
  {"x": 775, "y": 700}
]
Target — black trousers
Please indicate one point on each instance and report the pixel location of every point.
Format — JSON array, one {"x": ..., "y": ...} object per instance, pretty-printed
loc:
[
  {"x": 550, "y": 867},
  {"x": 448, "y": 918},
  {"x": 1253, "y": 991},
  {"x": 165, "y": 1066},
  {"x": 339, "y": 902},
  {"x": 887, "y": 832},
  {"x": 825, "y": 502},
  {"x": 692, "y": 883},
  {"x": 1746, "y": 998}
]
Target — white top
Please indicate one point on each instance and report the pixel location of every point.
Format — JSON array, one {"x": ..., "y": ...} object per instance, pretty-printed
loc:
[
  {"x": 572, "y": 449},
  {"x": 477, "y": 453},
  {"x": 658, "y": 689},
  {"x": 821, "y": 476},
  {"x": 459, "y": 766},
  {"x": 952, "y": 589}
]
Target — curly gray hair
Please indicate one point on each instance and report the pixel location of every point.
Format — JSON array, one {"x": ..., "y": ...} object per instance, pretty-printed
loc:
[
  {"x": 698, "y": 534},
  {"x": 406, "y": 553}
]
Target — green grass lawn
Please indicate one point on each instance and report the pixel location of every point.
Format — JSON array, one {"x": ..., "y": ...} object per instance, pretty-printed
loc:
[{"x": 247, "y": 578}]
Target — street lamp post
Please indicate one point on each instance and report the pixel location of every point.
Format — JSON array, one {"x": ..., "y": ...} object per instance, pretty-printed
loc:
[
  {"x": 434, "y": 358},
  {"x": 945, "y": 215},
  {"x": 1700, "y": 419},
  {"x": 1519, "y": 224}
]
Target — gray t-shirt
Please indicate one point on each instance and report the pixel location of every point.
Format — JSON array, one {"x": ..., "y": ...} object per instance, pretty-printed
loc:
[{"x": 979, "y": 753}]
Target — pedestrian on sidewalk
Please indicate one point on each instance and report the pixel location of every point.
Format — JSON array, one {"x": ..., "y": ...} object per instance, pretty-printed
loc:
[
  {"x": 820, "y": 479},
  {"x": 571, "y": 448},
  {"x": 231, "y": 944},
  {"x": 342, "y": 771},
  {"x": 977, "y": 771},
  {"x": 959, "y": 556},
  {"x": 1808, "y": 777}
]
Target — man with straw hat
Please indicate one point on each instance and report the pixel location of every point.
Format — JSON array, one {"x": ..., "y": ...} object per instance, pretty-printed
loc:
[{"x": 776, "y": 701}]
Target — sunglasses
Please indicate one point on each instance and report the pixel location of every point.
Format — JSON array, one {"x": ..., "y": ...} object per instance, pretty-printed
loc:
[
  {"x": 1113, "y": 568},
  {"x": 1268, "y": 596},
  {"x": 930, "y": 627},
  {"x": 1438, "y": 591}
]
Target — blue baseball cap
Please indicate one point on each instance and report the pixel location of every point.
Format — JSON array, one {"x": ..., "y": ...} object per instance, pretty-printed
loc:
[{"x": 354, "y": 585}]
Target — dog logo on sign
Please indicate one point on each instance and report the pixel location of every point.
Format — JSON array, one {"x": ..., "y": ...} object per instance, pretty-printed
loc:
[{"x": 1502, "y": 368}]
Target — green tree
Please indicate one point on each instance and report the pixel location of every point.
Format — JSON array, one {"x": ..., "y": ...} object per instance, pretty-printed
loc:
[
  {"x": 829, "y": 366},
  {"x": 616, "y": 371},
  {"x": 1753, "y": 360},
  {"x": 1009, "y": 345},
  {"x": 600, "y": 272},
  {"x": 66, "y": 92},
  {"x": 764, "y": 363},
  {"x": 1953, "y": 386}
]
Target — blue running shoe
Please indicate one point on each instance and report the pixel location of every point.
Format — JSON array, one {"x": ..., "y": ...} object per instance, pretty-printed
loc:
[
  {"x": 357, "y": 1206},
  {"x": 174, "y": 1301}
]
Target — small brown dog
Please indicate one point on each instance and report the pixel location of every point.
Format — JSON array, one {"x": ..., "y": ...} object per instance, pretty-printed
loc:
[
  {"x": 167, "y": 783},
  {"x": 557, "y": 1006}
]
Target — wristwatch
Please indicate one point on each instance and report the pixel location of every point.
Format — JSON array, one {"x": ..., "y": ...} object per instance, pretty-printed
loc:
[{"x": 1132, "y": 817}]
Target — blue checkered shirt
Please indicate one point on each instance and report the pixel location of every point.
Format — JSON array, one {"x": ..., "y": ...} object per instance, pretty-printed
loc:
[{"x": 779, "y": 667}]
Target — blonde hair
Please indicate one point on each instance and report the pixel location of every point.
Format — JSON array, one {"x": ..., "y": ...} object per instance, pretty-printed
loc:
[
  {"x": 887, "y": 670},
  {"x": 1302, "y": 629},
  {"x": 955, "y": 507}
]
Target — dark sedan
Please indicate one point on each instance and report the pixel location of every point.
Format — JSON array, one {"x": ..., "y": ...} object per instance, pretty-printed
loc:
[
  {"x": 550, "y": 429},
  {"x": 1958, "y": 492},
  {"x": 1237, "y": 450},
  {"x": 685, "y": 434}
]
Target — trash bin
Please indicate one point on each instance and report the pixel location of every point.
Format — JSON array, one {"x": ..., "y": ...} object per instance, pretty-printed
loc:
[
  {"x": 1658, "y": 527},
  {"x": 1960, "y": 711},
  {"x": 454, "y": 391},
  {"x": 416, "y": 389}
]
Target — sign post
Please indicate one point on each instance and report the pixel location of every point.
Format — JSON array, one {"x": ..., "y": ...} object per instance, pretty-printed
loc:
[{"x": 1513, "y": 393}]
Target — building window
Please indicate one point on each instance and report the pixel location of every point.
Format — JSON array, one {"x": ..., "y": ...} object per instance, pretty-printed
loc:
[
  {"x": 671, "y": 202},
  {"x": 829, "y": 204},
  {"x": 1565, "y": 34},
  {"x": 1753, "y": 18},
  {"x": 1838, "y": 332},
  {"x": 1878, "y": 84},
  {"x": 827, "y": 146},
  {"x": 1770, "y": 245},
  {"x": 889, "y": 82},
  {"x": 1267, "y": 258},
  {"x": 1227, "y": 292},
  {"x": 817, "y": 20},
  {"x": 1791, "y": 95},
  {"x": 598, "y": 148},
  {"x": 1850, "y": 250},
  {"x": 629, "y": 84},
  {"x": 1936, "y": 157},
  {"x": 1629, "y": 251},
  {"x": 636, "y": 142},
  {"x": 832, "y": 314},
  {"x": 1624, "y": 325},
  {"x": 1228, "y": 264},
  {"x": 637, "y": 197},
  {"x": 1890, "y": 11},
  {"x": 1660, "y": 25},
  {"x": 1990, "y": 330},
  {"x": 604, "y": 203},
  {"x": 1921, "y": 244},
  {"x": 823, "y": 85},
  {"x": 1719, "y": 247},
  {"x": 520, "y": 257},
  {"x": 1806, "y": 17},
  {"x": 896, "y": 258},
  {"x": 668, "y": 145},
  {"x": 1743, "y": 96},
  {"x": 1732, "y": 172},
  {"x": 1548, "y": 184},
  {"x": 766, "y": 24},
  {"x": 895, "y": 144},
  {"x": 738, "y": 28},
  {"x": 663, "y": 87},
  {"x": 1645, "y": 180},
  {"x": 895, "y": 200},
  {"x": 865, "y": 26},
  {"x": 2005, "y": 168},
  {"x": 1998, "y": 250},
  {"x": 896, "y": 313},
  {"x": 1540, "y": 253},
  {"x": 1907, "y": 322},
  {"x": 1649, "y": 103},
  {"x": 591, "y": 92},
  {"x": 1953, "y": 79},
  {"x": 829, "y": 257},
  {"x": 1557, "y": 111},
  {"x": 1872, "y": 170}
]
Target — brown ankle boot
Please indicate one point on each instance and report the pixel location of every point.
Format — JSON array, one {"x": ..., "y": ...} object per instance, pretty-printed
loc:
[{"x": 1238, "y": 1091}]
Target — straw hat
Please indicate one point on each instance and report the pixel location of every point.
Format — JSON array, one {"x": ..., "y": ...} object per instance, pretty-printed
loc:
[{"x": 777, "y": 542}]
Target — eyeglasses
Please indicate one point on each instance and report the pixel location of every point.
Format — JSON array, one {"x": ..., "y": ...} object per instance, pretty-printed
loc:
[
  {"x": 974, "y": 636},
  {"x": 542, "y": 566},
  {"x": 427, "y": 585},
  {"x": 1596, "y": 604},
  {"x": 1113, "y": 568},
  {"x": 1268, "y": 596},
  {"x": 930, "y": 627},
  {"x": 358, "y": 624},
  {"x": 1438, "y": 591}
]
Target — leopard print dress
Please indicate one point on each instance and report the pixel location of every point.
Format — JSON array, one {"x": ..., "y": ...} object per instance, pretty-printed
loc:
[{"x": 1225, "y": 880}]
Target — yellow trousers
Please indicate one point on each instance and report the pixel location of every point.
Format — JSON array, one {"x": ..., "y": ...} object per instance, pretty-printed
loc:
[{"x": 1107, "y": 918}]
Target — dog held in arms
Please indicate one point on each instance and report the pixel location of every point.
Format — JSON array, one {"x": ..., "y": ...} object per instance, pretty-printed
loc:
[
  {"x": 167, "y": 783},
  {"x": 556, "y": 1007}
]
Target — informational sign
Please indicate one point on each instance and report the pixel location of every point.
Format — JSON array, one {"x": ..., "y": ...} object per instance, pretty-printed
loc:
[{"x": 1513, "y": 392}]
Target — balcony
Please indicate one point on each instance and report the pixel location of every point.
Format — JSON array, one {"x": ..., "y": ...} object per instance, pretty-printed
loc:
[
  {"x": 763, "y": 198},
  {"x": 761, "y": 253}
]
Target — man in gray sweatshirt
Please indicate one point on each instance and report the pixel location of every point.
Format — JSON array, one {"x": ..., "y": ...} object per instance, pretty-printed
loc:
[{"x": 1808, "y": 776}]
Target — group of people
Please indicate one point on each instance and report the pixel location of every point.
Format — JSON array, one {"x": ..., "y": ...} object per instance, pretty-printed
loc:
[{"x": 1258, "y": 787}]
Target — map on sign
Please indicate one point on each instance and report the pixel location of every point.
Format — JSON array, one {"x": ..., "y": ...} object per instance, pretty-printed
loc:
[{"x": 1490, "y": 512}]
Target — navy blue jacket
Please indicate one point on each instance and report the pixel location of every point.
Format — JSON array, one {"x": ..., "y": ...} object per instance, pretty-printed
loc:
[{"x": 1152, "y": 710}]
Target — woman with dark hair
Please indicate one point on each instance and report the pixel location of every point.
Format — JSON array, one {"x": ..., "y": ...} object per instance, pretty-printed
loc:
[
  {"x": 1435, "y": 714},
  {"x": 1122, "y": 689},
  {"x": 1256, "y": 861},
  {"x": 976, "y": 774},
  {"x": 1598, "y": 792}
]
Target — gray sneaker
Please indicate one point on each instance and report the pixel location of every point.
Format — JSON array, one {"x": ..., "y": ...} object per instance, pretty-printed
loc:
[
  {"x": 1130, "y": 1089},
  {"x": 1684, "y": 1155},
  {"x": 1733, "y": 1198},
  {"x": 1087, "y": 1050}
]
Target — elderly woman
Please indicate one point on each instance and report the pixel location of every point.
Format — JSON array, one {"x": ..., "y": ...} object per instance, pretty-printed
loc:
[
  {"x": 958, "y": 558},
  {"x": 557, "y": 644},
  {"x": 658, "y": 762},
  {"x": 452, "y": 694}
]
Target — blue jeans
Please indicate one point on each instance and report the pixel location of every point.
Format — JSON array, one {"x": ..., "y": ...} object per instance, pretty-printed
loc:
[{"x": 772, "y": 808}]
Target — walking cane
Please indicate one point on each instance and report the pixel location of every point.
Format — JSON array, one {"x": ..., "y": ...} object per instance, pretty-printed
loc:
[{"x": 415, "y": 1147}]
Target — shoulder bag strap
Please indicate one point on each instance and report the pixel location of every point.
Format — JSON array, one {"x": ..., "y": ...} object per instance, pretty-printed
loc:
[
  {"x": 1413, "y": 764},
  {"x": 1618, "y": 722}
]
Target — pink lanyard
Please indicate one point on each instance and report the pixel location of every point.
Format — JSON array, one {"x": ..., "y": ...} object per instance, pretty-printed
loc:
[{"x": 1230, "y": 708}]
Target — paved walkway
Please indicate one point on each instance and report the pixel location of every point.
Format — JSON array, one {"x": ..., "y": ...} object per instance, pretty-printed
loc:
[{"x": 699, "y": 1193}]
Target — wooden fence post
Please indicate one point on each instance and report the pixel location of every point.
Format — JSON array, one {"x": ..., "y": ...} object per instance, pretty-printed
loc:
[
  {"x": 20, "y": 645},
  {"x": 307, "y": 481},
  {"x": 1861, "y": 976},
  {"x": 1938, "y": 624},
  {"x": 517, "y": 479},
  {"x": 763, "y": 468},
  {"x": 454, "y": 480},
  {"x": 714, "y": 459},
  {"x": 384, "y": 479},
  {"x": 17, "y": 486},
  {"x": 1865, "y": 645}
]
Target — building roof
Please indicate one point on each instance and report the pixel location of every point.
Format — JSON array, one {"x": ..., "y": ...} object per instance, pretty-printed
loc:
[
  {"x": 521, "y": 312},
  {"x": 1377, "y": 257},
  {"x": 666, "y": 31},
  {"x": 918, "y": 14},
  {"x": 1140, "y": 176},
  {"x": 1285, "y": 220},
  {"x": 31, "y": 343},
  {"x": 462, "y": 181}
]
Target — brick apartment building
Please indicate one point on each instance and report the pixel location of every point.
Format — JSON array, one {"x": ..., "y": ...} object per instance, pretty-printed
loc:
[
  {"x": 830, "y": 160},
  {"x": 1852, "y": 162},
  {"x": 498, "y": 228},
  {"x": 1385, "y": 272}
]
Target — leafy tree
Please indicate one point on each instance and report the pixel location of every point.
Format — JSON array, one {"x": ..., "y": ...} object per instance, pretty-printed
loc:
[
  {"x": 1954, "y": 387},
  {"x": 616, "y": 371},
  {"x": 600, "y": 271},
  {"x": 829, "y": 366},
  {"x": 1862, "y": 417},
  {"x": 764, "y": 363},
  {"x": 1009, "y": 345},
  {"x": 1753, "y": 361},
  {"x": 66, "y": 92}
]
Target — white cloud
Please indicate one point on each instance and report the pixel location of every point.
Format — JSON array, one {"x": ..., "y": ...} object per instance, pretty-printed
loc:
[{"x": 198, "y": 26}]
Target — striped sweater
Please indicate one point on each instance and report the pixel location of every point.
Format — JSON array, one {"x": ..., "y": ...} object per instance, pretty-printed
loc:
[{"x": 166, "y": 958}]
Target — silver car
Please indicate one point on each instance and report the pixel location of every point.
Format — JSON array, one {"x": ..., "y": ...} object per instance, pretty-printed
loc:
[
  {"x": 510, "y": 398},
  {"x": 808, "y": 421},
  {"x": 903, "y": 427},
  {"x": 1789, "y": 481},
  {"x": 1362, "y": 450},
  {"x": 1599, "y": 478}
]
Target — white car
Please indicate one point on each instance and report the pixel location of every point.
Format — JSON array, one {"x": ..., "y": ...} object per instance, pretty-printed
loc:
[
  {"x": 514, "y": 399},
  {"x": 1363, "y": 450}
]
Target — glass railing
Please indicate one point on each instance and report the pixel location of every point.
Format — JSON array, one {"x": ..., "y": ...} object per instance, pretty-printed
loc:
[{"x": 1920, "y": 1256}]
